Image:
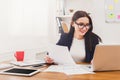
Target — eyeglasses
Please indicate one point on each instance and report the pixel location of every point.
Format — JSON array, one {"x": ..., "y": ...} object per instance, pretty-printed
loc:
[{"x": 82, "y": 25}]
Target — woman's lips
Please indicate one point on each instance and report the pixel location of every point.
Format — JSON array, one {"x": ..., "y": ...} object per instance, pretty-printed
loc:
[{"x": 82, "y": 31}]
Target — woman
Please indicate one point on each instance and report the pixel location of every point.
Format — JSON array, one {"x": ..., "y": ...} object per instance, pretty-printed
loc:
[{"x": 80, "y": 40}]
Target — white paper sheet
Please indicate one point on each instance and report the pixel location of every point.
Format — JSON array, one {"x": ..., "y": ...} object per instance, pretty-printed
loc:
[
  {"x": 27, "y": 63},
  {"x": 60, "y": 54},
  {"x": 69, "y": 69},
  {"x": 4, "y": 66}
]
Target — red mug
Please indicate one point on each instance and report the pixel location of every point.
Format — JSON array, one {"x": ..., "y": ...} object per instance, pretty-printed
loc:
[{"x": 19, "y": 55}]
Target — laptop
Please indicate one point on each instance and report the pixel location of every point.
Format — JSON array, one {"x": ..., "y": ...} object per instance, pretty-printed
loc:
[{"x": 106, "y": 58}]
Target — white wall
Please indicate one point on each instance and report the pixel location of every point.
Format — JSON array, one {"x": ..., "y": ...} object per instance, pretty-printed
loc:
[
  {"x": 109, "y": 32},
  {"x": 23, "y": 26},
  {"x": 53, "y": 36}
]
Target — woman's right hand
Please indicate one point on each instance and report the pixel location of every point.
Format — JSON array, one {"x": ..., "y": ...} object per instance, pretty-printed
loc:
[{"x": 48, "y": 59}]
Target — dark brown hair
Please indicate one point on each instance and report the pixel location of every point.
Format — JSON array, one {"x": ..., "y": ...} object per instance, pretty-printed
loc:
[{"x": 88, "y": 36}]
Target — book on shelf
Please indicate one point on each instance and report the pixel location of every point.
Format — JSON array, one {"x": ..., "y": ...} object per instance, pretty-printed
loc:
[
  {"x": 59, "y": 20},
  {"x": 62, "y": 26}
]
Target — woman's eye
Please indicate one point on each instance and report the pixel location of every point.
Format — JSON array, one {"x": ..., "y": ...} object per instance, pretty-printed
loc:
[{"x": 81, "y": 24}]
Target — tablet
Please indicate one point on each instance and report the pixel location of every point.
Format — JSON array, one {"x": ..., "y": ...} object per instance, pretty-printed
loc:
[{"x": 20, "y": 71}]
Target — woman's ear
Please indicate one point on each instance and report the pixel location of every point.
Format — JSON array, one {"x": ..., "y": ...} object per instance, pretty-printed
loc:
[{"x": 72, "y": 23}]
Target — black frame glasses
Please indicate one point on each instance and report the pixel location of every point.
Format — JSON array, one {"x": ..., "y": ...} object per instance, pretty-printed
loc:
[{"x": 82, "y": 25}]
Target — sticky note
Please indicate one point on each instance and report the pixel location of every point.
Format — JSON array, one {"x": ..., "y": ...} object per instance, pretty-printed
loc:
[
  {"x": 116, "y": 1},
  {"x": 110, "y": 7},
  {"x": 118, "y": 16},
  {"x": 111, "y": 15}
]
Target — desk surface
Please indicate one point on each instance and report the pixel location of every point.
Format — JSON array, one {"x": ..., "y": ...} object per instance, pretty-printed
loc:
[
  {"x": 109, "y": 75},
  {"x": 112, "y": 75}
]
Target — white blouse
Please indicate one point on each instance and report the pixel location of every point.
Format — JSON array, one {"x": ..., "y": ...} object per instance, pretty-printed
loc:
[{"x": 77, "y": 50}]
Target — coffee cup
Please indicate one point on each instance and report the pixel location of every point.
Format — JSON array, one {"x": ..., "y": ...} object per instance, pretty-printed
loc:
[{"x": 19, "y": 55}]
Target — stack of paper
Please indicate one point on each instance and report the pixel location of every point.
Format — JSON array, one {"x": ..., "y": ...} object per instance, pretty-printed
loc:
[
  {"x": 4, "y": 66},
  {"x": 70, "y": 69},
  {"x": 27, "y": 63}
]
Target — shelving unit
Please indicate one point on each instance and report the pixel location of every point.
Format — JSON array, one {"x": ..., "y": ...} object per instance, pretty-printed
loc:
[
  {"x": 61, "y": 10},
  {"x": 61, "y": 13},
  {"x": 64, "y": 16}
]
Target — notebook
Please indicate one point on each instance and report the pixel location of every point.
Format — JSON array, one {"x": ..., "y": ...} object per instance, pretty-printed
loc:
[{"x": 106, "y": 58}]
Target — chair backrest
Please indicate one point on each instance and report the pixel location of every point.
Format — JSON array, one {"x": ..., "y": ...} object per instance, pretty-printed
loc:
[{"x": 64, "y": 27}]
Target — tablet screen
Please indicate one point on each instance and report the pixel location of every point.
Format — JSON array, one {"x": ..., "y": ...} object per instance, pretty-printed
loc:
[{"x": 21, "y": 71}]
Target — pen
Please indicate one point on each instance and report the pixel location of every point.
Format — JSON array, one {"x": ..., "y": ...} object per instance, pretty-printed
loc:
[
  {"x": 40, "y": 65},
  {"x": 47, "y": 53}
]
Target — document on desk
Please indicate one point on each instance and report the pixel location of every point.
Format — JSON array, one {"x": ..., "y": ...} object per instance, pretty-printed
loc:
[
  {"x": 69, "y": 69},
  {"x": 27, "y": 63},
  {"x": 60, "y": 54}
]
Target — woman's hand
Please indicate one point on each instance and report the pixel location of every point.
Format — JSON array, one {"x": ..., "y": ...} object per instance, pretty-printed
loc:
[
  {"x": 48, "y": 59},
  {"x": 91, "y": 61}
]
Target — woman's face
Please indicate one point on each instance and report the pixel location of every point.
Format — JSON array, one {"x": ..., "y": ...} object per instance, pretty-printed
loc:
[{"x": 81, "y": 25}]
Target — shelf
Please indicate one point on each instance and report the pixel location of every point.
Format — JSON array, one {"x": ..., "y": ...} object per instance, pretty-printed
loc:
[{"x": 64, "y": 16}]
